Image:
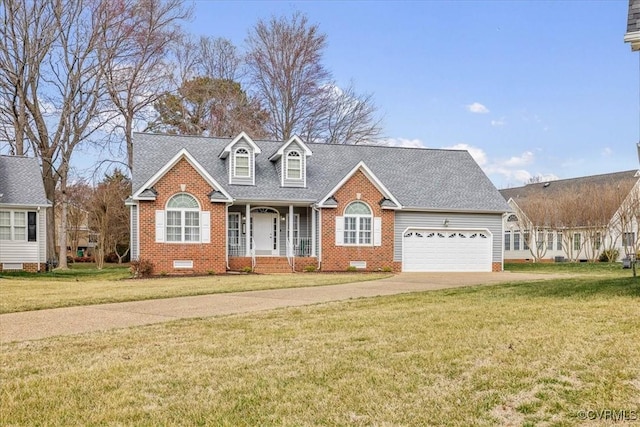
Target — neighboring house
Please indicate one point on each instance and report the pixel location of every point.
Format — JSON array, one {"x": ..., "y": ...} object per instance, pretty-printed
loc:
[
  {"x": 632, "y": 35},
  {"x": 575, "y": 219},
  {"x": 23, "y": 215},
  {"x": 212, "y": 204}
]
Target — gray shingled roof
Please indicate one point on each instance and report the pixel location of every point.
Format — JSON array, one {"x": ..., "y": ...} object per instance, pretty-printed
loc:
[
  {"x": 21, "y": 182},
  {"x": 633, "y": 21},
  {"x": 625, "y": 180},
  {"x": 418, "y": 178}
]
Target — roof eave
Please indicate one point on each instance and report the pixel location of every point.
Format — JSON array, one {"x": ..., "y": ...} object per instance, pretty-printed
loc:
[{"x": 633, "y": 39}]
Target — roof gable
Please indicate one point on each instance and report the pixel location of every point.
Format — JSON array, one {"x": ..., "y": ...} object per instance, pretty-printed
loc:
[
  {"x": 361, "y": 166},
  {"x": 145, "y": 192},
  {"x": 241, "y": 136},
  {"x": 294, "y": 139}
]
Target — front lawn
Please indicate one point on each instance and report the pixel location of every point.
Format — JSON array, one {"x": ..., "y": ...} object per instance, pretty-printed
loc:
[
  {"x": 84, "y": 287},
  {"x": 543, "y": 353},
  {"x": 590, "y": 268}
]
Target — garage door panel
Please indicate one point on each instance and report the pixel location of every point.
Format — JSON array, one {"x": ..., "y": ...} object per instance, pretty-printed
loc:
[{"x": 446, "y": 250}]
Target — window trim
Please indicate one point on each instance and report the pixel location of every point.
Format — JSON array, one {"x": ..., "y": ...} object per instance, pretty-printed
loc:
[
  {"x": 359, "y": 222},
  {"x": 293, "y": 155},
  {"x": 24, "y": 234},
  {"x": 183, "y": 226},
  {"x": 244, "y": 154}
]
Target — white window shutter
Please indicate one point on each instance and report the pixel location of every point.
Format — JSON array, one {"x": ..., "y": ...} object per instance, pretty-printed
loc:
[
  {"x": 160, "y": 226},
  {"x": 339, "y": 231},
  {"x": 205, "y": 226},
  {"x": 377, "y": 231}
]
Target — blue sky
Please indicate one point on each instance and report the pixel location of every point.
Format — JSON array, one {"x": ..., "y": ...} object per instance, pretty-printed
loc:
[{"x": 530, "y": 88}]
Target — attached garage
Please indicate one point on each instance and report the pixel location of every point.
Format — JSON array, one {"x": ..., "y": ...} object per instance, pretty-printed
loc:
[{"x": 444, "y": 250}]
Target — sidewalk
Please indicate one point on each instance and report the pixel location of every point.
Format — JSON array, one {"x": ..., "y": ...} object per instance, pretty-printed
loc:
[{"x": 32, "y": 325}]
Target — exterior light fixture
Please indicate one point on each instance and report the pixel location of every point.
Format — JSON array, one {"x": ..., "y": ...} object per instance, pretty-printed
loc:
[{"x": 446, "y": 222}]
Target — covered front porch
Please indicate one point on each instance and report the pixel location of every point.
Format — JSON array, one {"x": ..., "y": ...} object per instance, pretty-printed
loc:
[{"x": 268, "y": 230}]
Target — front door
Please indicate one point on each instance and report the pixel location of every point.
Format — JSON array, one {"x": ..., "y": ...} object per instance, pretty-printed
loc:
[{"x": 265, "y": 227}]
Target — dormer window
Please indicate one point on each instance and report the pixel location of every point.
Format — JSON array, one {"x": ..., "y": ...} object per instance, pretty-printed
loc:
[
  {"x": 291, "y": 161},
  {"x": 241, "y": 163},
  {"x": 294, "y": 165}
]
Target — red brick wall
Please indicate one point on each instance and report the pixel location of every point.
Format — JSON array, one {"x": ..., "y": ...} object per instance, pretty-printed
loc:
[
  {"x": 206, "y": 256},
  {"x": 336, "y": 258},
  {"x": 496, "y": 266}
]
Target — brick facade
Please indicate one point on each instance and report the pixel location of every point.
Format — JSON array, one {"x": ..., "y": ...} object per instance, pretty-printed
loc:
[
  {"x": 206, "y": 257},
  {"x": 496, "y": 266},
  {"x": 337, "y": 258}
]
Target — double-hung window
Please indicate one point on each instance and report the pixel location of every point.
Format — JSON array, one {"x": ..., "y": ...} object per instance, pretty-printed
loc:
[
  {"x": 14, "y": 225},
  {"x": 241, "y": 163},
  {"x": 294, "y": 165},
  {"x": 357, "y": 224},
  {"x": 183, "y": 219}
]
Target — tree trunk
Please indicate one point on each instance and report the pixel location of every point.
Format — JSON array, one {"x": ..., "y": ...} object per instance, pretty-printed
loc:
[{"x": 62, "y": 262}]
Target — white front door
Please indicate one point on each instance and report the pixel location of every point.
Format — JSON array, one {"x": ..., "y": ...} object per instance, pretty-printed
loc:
[{"x": 265, "y": 227}]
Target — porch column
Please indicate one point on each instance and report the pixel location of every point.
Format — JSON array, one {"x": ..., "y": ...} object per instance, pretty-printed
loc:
[
  {"x": 313, "y": 231},
  {"x": 290, "y": 238},
  {"x": 247, "y": 230}
]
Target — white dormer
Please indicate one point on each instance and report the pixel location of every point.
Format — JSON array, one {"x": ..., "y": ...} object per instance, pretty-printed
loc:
[
  {"x": 241, "y": 159},
  {"x": 291, "y": 159}
]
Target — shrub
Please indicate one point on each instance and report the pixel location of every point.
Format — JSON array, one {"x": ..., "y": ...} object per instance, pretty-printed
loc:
[
  {"x": 141, "y": 268},
  {"x": 247, "y": 269},
  {"x": 211, "y": 272},
  {"x": 387, "y": 269},
  {"x": 351, "y": 268},
  {"x": 609, "y": 255},
  {"x": 310, "y": 268}
]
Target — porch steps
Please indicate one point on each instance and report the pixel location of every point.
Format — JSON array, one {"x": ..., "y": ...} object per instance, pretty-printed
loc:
[{"x": 271, "y": 265}]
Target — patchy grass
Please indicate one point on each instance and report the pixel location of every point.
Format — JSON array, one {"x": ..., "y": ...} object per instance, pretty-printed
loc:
[
  {"x": 514, "y": 354},
  {"x": 23, "y": 294},
  {"x": 590, "y": 268}
]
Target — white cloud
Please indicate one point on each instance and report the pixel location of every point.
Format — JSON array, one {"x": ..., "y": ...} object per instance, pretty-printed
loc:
[
  {"x": 518, "y": 161},
  {"x": 477, "y": 108},
  {"x": 478, "y": 154},
  {"x": 403, "y": 142},
  {"x": 607, "y": 152},
  {"x": 498, "y": 123}
]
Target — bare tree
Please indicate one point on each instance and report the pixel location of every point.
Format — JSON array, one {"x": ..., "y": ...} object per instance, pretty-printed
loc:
[
  {"x": 138, "y": 36},
  {"x": 285, "y": 67},
  {"x": 110, "y": 217},
  {"x": 57, "y": 100},
  {"x": 349, "y": 117},
  {"x": 218, "y": 58}
]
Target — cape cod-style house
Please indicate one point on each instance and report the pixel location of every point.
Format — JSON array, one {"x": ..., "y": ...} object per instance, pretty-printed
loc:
[{"x": 203, "y": 204}]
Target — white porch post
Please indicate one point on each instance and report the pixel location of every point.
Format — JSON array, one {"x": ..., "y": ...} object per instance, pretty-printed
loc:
[
  {"x": 313, "y": 231},
  {"x": 290, "y": 239},
  {"x": 247, "y": 230}
]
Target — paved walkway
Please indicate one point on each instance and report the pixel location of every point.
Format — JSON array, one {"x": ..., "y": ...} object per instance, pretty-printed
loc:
[{"x": 32, "y": 325}]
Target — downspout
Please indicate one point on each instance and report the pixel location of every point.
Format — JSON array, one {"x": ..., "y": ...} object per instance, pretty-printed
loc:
[{"x": 38, "y": 240}]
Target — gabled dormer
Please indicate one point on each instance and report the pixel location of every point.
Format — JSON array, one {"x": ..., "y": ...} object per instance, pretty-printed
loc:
[
  {"x": 291, "y": 162},
  {"x": 241, "y": 160}
]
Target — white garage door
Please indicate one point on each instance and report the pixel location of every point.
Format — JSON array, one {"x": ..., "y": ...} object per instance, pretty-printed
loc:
[{"x": 446, "y": 250}]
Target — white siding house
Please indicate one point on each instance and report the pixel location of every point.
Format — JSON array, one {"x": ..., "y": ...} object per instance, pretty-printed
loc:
[{"x": 23, "y": 215}]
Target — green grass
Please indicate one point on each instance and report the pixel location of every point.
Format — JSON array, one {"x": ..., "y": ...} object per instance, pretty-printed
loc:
[
  {"x": 31, "y": 292},
  {"x": 79, "y": 271},
  {"x": 514, "y": 354},
  {"x": 590, "y": 268}
]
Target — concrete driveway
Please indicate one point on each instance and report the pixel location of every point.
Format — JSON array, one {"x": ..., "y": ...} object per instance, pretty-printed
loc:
[{"x": 32, "y": 325}]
